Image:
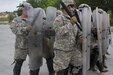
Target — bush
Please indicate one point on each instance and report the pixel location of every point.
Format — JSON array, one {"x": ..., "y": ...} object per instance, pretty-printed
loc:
[
  {"x": 11, "y": 17},
  {"x": 4, "y": 19}
]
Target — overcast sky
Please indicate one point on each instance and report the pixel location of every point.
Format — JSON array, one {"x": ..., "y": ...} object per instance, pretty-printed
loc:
[{"x": 9, "y": 5}]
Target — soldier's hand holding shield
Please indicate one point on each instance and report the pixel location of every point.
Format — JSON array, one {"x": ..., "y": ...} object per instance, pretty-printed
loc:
[
  {"x": 73, "y": 20},
  {"x": 29, "y": 28}
]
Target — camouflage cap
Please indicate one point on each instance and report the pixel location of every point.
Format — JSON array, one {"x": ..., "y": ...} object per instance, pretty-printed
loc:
[{"x": 68, "y": 2}]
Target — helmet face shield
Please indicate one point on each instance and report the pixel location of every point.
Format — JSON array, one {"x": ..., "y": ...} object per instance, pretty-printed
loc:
[{"x": 68, "y": 2}]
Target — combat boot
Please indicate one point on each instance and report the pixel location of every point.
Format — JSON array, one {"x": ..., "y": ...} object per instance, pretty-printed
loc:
[
  {"x": 61, "y": 72},
  {"x": 34, "y": 72},
  {"x": 66, "y": 71},
  {"x": 101, "y": 68},
  {"x": 104, "y": 64},
  {"x": 104, "y": 70}
]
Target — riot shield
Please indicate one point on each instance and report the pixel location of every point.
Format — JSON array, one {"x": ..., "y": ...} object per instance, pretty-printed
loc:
[
  {"x": 97, "y": 21},
  {"x": 104, "y": 31},
  {"x": 49, "y": 33},
  {"x": 109, "y": 38},
  {"x": 35, "y": 36},
  {"x": 85, "y": 17},
  {"x": 50, "y": 16},
  {"x": 32, "y": 14}
]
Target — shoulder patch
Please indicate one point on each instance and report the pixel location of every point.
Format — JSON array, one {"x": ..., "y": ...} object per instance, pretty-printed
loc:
[{"x": 59, "y": 19}]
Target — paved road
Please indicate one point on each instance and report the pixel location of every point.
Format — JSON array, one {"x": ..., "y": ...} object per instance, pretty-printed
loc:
[{"x": 7, "y": 40}]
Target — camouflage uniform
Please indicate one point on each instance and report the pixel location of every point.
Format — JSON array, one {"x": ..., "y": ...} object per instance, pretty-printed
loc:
[
  {"x": 65, "y": 44},
  {"x": 94, "y": 57},
  {"x": 48, "y": 42},
  {"x": 49, "y": 39},
  {"x": 18, "y": 27}
]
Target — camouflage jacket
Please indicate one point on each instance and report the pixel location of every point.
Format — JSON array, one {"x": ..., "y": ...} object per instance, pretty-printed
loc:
[
  {"x": 65, "y": 34},
  {"x": 18, "y": 27},
  {"x": 94, "y": 40}
]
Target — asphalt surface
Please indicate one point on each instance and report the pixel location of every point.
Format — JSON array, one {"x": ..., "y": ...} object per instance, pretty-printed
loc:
[{"x": 7, "y": 40}]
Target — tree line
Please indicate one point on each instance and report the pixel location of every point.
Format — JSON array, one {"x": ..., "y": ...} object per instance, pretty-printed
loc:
[{"x": 103, "y": 4}]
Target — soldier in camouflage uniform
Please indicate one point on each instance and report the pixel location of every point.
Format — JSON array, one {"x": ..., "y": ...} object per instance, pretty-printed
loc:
[
  {"x": 34, "y": 38},
  {"x": 94, "y": 57},
  {"x": 20, "y": 28},
  {"x": 48, "y": 46},
  {"x": 65, "y": 45}
]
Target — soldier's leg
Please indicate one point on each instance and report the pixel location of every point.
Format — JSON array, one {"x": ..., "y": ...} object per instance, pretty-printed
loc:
[
  {"x": 80, "y": 72},
  {"x": 104, "y": 64},
  {"x": 100, "y": 67},
  {"x": 50, "y": 66},
  {"x": 75, "y": 70},
  {"x": 35, "y": 62},
  {"x": 34, "y": 72},
  {"x": 94, "y": 58},
  {"x": 66, "y": 71},
  {"x": 71, "y": 68},
  {"x": 61, "y": 72},
  {"x": 17, "y": 67},
  {"x": 107, "y": 52},
  {"x": 48, "y": 54},
  {"x": 61, "y": 62},
  {"x": 19, "y": 56}
]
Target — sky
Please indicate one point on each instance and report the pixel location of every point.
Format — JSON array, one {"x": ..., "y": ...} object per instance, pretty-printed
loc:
[{"x": 9, "y": 5}]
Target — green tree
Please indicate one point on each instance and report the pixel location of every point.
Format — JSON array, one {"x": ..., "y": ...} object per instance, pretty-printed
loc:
[
  {"x": 11, "y": 17},
  {"x": 104, "y": 4},
  {"x": 44, "y": 3},
  {"x": 34, "y": 3}
]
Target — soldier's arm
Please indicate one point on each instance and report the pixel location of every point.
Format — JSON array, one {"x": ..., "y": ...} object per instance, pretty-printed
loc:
[
  {"x": 93, "y": 38},
  {"x": 13, "y": 26},
  {"x": 16, "y": 28},
  {"x": 24, "y": 29},
  {"x": 79, "y": 35},
  {"x": 60, "y": 27},
  {"x": 79, "y": 39}
]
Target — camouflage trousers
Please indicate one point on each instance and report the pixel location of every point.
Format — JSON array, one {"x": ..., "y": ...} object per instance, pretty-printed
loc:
[
  {"x": 62, "y": 59},
  {"x": 20, "y": 54}
]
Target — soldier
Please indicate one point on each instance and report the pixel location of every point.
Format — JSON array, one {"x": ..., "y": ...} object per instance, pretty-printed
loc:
[
  {"x": 48, "y": 53},
  {"x": 33, "y": 43},
  {"x": 65, "y": 47},
  {"x": 20, "y": 28},
  {"x": 95, "y": 53},
  {"x": 35, "y": 39},
  {"x": 48, "y": 46},
  {"x": 95, "y": 50}
]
